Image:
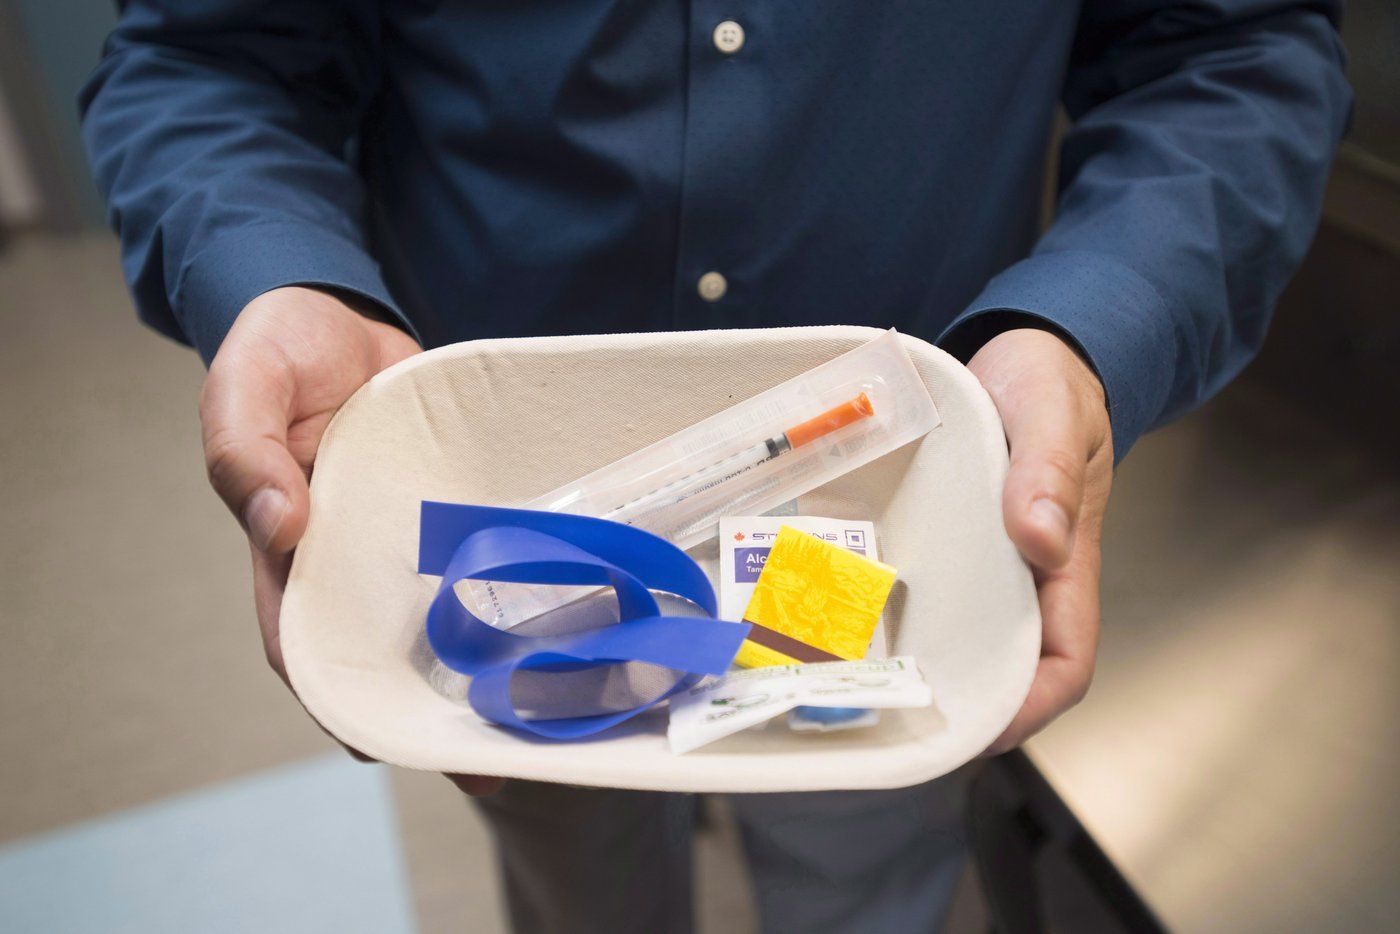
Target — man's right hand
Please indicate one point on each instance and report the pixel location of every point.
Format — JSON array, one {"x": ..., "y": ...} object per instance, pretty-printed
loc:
[{"x": 292, "y": 358}]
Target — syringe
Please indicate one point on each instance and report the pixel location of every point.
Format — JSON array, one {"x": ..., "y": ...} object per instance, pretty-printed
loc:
[
  {"x": 720, "y": 472},
  {"x": 505, "y": 605}
]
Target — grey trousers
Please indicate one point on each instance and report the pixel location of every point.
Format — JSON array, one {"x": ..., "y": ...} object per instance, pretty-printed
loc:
[{"x": 586, "y": 860}]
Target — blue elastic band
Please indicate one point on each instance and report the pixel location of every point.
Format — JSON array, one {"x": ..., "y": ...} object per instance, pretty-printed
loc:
[{"x": 523, "y": 546}]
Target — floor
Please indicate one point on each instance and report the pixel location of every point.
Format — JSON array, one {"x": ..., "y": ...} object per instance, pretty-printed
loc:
[{"x": 1236, "y": 756}]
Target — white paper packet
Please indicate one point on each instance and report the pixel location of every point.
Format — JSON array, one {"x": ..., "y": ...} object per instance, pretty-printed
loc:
[{"x": 743, "y": 699}]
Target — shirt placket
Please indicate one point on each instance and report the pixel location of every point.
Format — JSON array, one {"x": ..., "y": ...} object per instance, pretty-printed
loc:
[{"x": 725, "y": 102}]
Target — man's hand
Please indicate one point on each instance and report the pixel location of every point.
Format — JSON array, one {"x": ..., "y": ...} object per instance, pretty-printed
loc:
[
  {"x": 1052, "y": 406},
  {"x": 292, "y": 358}
]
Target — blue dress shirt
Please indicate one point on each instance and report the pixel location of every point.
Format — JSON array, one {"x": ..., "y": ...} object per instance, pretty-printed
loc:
[{"x": 520, "y": 167}]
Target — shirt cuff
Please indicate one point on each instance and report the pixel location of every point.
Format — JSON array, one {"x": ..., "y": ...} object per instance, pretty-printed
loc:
[
  {"x": 1118, "y": 319},
  {"x": 237, "y": 267}
]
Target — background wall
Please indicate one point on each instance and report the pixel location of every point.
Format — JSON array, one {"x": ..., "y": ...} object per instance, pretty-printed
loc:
[
  {"x": 47, "y": 49},
  {"x": 1372, "y": 36}
]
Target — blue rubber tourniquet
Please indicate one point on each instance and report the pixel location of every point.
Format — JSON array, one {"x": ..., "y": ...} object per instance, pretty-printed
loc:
[{"x": 460, "y": 542}]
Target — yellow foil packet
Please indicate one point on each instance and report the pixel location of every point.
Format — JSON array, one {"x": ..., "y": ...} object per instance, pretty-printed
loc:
[{"x": 814, "y": 602}]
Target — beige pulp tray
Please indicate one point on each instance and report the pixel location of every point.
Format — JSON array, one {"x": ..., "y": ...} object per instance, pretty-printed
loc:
[{"x": 500, "y": 421}]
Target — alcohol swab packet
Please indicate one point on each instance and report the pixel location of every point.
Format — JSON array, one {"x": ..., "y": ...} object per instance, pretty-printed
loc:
[
  {"x": 745, "y": 545},
  {"x": 742, "y": 699},
  {"x": 746, "y": 541}
]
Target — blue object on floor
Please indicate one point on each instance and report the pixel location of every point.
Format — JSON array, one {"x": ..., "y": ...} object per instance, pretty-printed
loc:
[{"x": 303, "y": 848}]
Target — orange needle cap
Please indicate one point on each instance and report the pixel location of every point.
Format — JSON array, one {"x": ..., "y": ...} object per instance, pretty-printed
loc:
[{"x": 830, "y": 420}]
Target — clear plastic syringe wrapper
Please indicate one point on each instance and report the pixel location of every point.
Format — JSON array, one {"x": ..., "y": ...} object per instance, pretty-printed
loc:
[{"x": 746, "y": 460}]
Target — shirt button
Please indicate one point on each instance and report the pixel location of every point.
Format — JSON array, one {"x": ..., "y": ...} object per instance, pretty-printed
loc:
[
  {"x": 712, "y": 286},
  {"x": 729, "y": 37}
]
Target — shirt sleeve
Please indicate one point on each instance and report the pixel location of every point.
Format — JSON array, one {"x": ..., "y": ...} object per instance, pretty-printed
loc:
[
  {"x": 218, "y": 133},
  {"x": 1191, "y": 183}
]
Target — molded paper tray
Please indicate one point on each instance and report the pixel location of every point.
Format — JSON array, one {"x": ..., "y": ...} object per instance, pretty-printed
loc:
[{"x": 499, "y": 421}]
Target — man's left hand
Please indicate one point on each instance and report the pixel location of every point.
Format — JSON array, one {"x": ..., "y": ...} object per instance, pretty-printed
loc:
[{"x": 1052, "y": 407}]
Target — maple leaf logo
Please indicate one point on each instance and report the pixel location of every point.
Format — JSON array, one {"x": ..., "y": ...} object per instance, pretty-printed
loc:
[{"x": 738, "y": 536}]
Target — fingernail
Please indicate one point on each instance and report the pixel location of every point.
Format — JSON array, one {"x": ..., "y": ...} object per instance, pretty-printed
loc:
[
  {"x": 1049, "y": 515},
  {"x": 263, "y": 516}
]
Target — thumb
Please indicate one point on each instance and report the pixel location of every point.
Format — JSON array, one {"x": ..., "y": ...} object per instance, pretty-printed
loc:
[
  {"x": 245, "y": 409},
  {"x": 1045, "y": 483}
]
